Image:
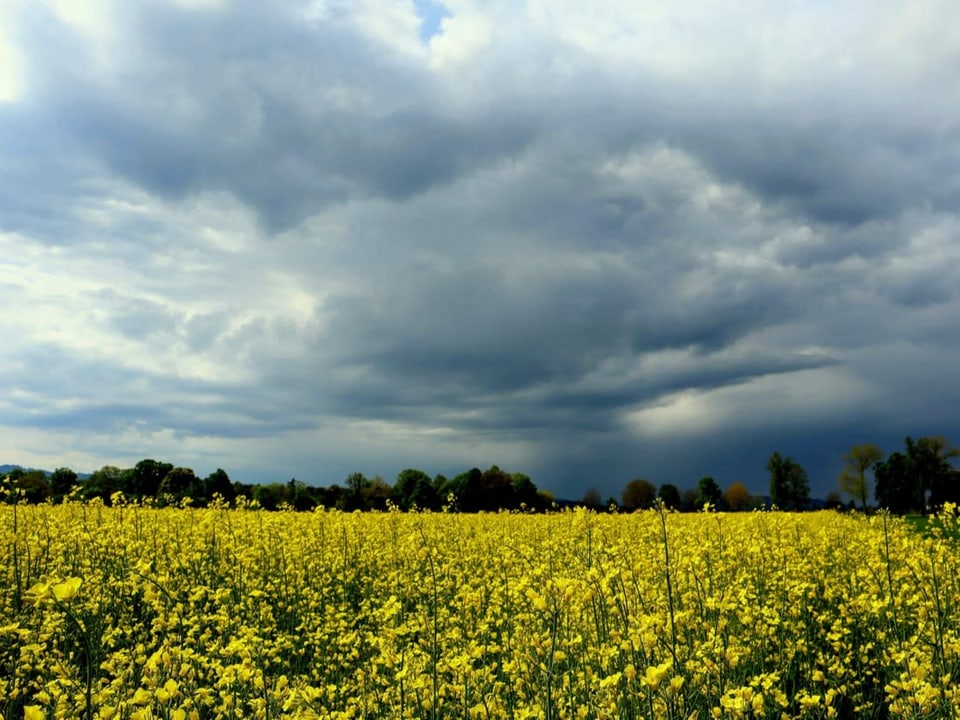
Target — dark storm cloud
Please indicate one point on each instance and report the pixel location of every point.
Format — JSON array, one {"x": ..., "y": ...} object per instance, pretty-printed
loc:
[{"x": 262, "y": 105}]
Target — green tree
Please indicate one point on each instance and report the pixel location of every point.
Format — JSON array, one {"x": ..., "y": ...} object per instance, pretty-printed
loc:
[
  {"x": 496, "y": 490},
  {"x": 895, "y": 487},
  {"x": 709, "y": 493},
  {"x": 271, "y": 496},
  {"x": 409, "y": 483},
  {"x": 524, "y": 491},
  {"x": 62, "y": 481},
  {"x": 218, "y": 483},
  {"x": 104, "y": 482},
  {"x": 853, "y": 478},
  {"x": 789, "y": 484},
  {"x": 353, "y": 496},
  {"x": 467, "y": 488},
  {"x": 33, "y": 486},
  {"x": 147, "y": 476},
  {"x": 639, "y": 494},
  {"x": 929, "y": 459},
  {"x": 670, "y": 495}
]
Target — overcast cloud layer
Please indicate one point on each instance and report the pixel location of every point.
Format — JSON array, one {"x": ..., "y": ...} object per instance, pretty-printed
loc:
[{"x": 297, "y": 239}]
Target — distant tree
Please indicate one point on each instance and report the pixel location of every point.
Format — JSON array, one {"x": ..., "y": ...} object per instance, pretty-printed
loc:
[
  {"x": 688, "y": 500},
  {"x": 440, "y": 483},
  {"x": 524, "y": 491},
  {"x": 104, "y": 482},
  {"x": 305, "y": 496},
  {"x": 853, "y": 478},
  {"x": 833, "y": 501},
  {"x": 929, "y": 459},
  {"x": 545, "y": 499},
  {"x": 244, "y": 490},
  {"x": 737, "y": 497},
  {"x": 789, "y": 484},
  {"x": 424, "y": 496},
  {"x": 147, "y": 476},
  {"x": 62, "y": 481},
  {"x": 406, "y": 487},
  {"x": 180, "y": 482},
  {"x": 218, "y": 483},
  {"x": 33, "y": 486},
  {"x": 895, "y": 487},
  {"x": 496, "y": 490},
  {"x": 15, "y": 474},
  {"x": 271, "y": 496},
  {"x": 709, "y": 492},
  {"x": 375, "y": 494},
  {"x": 333, "y": 496},
  {"x": 299, "y": 495},
  {"x": 639, "y": 494},
  {"x": 356, "y": 482},
  {"x": 670, "y": 495},
  {"x": 591, "y": 498},
  {"x": 921, "y": 475},
  {"x": 467, "y": 488}
]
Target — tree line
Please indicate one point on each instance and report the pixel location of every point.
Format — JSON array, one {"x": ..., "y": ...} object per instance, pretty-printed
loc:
[
  {"x": 912, "y": 480},
  {"x": 471, "y": 491},
  {"x": 789, "y": 490}
]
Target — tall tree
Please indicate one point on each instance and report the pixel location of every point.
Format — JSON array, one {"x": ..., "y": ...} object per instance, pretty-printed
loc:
[
  {"x": 930, "y": 462},
  {"x": 853, "y": 478},
  {"x": 709, "y": 493},
  {"x": 895, "y": 487},
  {"x": 789, "y": 483},
  {"x": 356, "y": 482}
]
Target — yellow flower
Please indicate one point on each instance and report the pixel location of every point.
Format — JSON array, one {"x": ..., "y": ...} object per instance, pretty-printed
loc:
[
  {"x": 67, "y": 590},
  {"x": 33, "y": 712},
  {"x": 37, "y": 593}
]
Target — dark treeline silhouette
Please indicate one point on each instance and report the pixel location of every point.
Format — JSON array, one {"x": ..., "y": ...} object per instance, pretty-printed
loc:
[
  {"x": 916, "y": 479},
  {"x": 471, "y": 491}
]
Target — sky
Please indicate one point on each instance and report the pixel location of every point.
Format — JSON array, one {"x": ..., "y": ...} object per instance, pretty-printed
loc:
[{"x": 588, "y": 242}]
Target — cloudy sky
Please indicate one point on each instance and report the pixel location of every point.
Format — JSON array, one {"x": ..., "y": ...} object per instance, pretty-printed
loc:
[{"x": 586, "y": 241}]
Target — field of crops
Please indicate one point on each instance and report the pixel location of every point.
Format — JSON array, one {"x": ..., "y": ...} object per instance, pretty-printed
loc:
[{"x": 137, "y": 612}]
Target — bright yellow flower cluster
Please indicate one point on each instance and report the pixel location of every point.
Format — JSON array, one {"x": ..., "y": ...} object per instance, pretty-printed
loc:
[{"x": 138, "y": 612}]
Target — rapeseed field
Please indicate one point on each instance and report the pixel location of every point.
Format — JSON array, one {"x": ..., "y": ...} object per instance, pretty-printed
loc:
[{"x": 175, "y": 613}]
